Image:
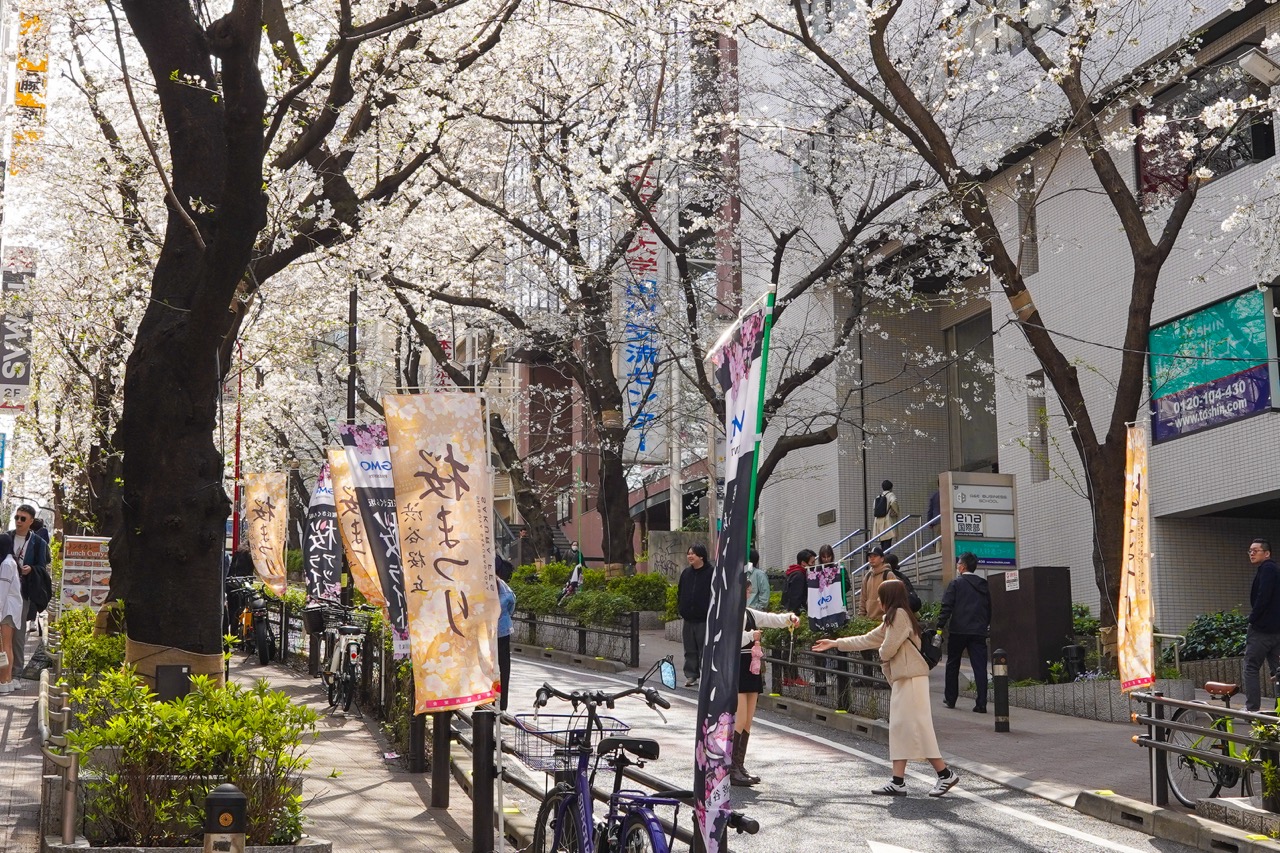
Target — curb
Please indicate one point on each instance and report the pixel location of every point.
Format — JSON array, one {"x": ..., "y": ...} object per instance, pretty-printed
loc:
[
  {"x": 1171, "y": 825},
  {"x": 1157, "y": 821},
  {"x": 518, "y": 824},
  {"x": 569, "y": 658}
]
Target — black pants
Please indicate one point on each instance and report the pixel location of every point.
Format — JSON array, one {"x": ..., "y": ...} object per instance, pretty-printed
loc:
[
  {"x": 694, "y": 635},
  {"x": 976, "y": 646},
  {"x": 504, "y": 670}
]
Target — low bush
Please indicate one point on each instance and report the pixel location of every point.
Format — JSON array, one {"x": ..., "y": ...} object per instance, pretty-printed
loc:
[
  {"x": 671, "y": 611},
  {"x": 84, "y": 653},
  {"x": 150, "y": 765},
  {"x": 538, "y": 599},
  {"x": 599, "y": 607},
  {"x": 525, "y": 574},
  {"x": 555, "y": 574},
  {"x": 594, "y": 579},
  {"x": 647, "y": 592},
  {"x": 1216, "y": 635},
  {"x": 1083, "y": 623}
]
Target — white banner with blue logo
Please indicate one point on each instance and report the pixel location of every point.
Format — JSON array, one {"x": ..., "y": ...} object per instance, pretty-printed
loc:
[{"x": 321, "y": 546}]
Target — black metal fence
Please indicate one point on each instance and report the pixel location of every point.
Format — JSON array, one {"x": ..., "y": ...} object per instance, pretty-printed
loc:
[
  {"x": 620, "y": 642},
  {"x": 842, "y": 681}
]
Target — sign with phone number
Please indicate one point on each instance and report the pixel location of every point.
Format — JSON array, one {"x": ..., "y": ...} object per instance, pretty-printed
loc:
[{"x": 1212, "y": 404}]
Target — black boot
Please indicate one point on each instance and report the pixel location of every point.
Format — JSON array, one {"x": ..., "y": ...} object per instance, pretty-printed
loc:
[
  {"x": 743, "y": 739},
  {"x": 737, "y": 776}
]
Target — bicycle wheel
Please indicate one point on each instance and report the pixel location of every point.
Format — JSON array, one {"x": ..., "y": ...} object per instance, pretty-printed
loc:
[
  {"x": 262, "y": 640},
  {"x": 556, "y": 829},
  {"x": 1193, "y": 778},
  {"x": 635, "y": 837},
  {"x": 349, "y": 681}
]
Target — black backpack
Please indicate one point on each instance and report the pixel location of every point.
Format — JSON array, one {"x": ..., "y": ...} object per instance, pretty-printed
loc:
[
  {"x": 881, "y": 507},
  {"x": 38, "y": 588},
  {"x": 912, "y": 597}
]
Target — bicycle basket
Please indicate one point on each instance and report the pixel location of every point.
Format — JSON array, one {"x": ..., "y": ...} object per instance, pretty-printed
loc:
[
  {"x": 541, "y": 739},
  {"x": 335, "y": 617}
]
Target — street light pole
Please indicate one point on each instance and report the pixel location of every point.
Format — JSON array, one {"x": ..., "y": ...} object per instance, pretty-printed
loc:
[{"x": 348, "y": 591}]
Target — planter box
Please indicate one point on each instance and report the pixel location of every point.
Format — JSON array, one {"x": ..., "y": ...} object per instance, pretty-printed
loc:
[
  {"x": 651, "y": 620},
  {"x": 1230, "y": 670},
  {"x": 1090, "y": 700},
  {"x": 53, "y": 844},
  {"x": 674, "y": 631}
]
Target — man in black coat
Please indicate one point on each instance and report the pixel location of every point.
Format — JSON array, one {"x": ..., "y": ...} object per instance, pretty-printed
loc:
[
  {"x": 966, "y": 606},
  {"x": 693, "y": 600},
  {"x": 1262, "y": 642}
]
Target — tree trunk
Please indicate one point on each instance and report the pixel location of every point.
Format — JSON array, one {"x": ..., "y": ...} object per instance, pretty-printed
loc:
[
  {"x": 167, "y": 554},
  {"x": 615, "y": 514},
  {"x": 1106, "y": 477},
  {"x": 527, "y": 500}
]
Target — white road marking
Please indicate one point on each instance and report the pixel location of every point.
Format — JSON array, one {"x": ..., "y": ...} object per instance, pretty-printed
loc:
[{"x": 884, "y": 762}]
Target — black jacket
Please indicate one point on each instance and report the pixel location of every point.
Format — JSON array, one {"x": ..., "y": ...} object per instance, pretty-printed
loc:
[
  {"x": 35, "y": 553},
  {"x": 795, "y": 589},
  {"x": 694, "y": 593},
  {"x": 966, "y": 606},
  {"x": 1265, "y": 598}
]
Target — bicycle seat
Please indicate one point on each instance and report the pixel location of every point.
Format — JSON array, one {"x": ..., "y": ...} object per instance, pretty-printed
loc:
[
  {"x": 1221, "y": 689},
  {"x": 349, "y": 630},
  {"x": 640, "y": 747}
]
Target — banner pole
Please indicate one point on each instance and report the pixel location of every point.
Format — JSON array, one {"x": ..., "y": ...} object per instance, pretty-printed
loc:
[{"x": 770, "y": 297}]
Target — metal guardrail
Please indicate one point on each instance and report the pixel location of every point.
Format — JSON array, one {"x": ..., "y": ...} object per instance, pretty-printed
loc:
[
  {"x": 620, "y": 643},
  {"x": 1159, "y": 727},
  {"x": 827, "y": 679}
]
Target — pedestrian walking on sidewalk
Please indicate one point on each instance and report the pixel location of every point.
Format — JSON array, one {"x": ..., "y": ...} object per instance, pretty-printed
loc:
[
  {"x": 911, "y": 734},
  {"x": 885, "y": 514},
  {"x": 751, "y": 683},
  {"x": 31, "y": 553},
  {"x": 11, "y": 605},
  {"x": 507, "y": 601},
  {"x": 966, "y": 607},
  {"x": 757, "y": 583},
  {"x": 1262, "y": 642},
  {"x": 693, "y": 599}
]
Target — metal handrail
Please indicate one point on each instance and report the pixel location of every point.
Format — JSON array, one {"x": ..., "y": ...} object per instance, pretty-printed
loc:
[
  {"x": 917, "y": 552},
  {"x": 872, "y": 542},
  {"x": 847, "y": 538},
  {"x": 1179, "y": 642}
]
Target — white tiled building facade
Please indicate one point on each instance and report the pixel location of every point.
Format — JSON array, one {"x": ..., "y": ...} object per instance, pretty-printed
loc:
[{"x": 1212, "y": 491}]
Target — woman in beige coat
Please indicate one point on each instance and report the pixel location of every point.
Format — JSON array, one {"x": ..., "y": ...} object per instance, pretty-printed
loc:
[{"x": 910, "y": 720}]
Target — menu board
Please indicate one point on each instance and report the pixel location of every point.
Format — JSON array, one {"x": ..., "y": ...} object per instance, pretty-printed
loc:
[{"x": 86, "y": 572}]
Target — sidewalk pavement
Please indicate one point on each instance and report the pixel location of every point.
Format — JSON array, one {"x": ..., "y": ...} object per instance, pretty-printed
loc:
[
  {"x": 1050, "y": 755},
  {"x": 348, "y": 764},
  {"x": 20, "y": 770}
]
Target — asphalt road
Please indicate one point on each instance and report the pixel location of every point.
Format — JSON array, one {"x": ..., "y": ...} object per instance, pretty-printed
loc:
[{"x": 816, "y": 794}]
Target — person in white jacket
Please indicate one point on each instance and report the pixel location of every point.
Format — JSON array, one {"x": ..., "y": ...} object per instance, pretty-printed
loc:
[
  {"x": 911, "y": 733},
  {"x": 751, "y": 684},
  {"x": 10, "y": 611}
]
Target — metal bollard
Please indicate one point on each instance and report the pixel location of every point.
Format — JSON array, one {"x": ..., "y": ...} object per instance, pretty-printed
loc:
[
  {"x": 70, "y": 766},
  {"x": 482, "y": 775},
  {"x": 225, "y": 820},
  {"x": 1159, "y": 767},
  {"x": 1000, "y": 687},
  {"x": 418, "y": 743},
  {"x": 441, "y": 738}
]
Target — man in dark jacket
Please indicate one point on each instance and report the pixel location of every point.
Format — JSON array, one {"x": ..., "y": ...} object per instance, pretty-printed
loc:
[
  {"x": 693, "y": 600},
  {"x": 1262, "y": 643},
  {"x": 966, "y": 606},
  {"x": 795, "y": 586}
]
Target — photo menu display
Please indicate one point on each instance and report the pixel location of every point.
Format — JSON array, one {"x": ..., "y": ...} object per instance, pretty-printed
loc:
[{"x": 86, "y": 572}]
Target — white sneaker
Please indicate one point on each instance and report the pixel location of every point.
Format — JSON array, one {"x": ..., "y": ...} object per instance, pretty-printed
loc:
[
  {"x": 7, "y": 687},
  {"x": 943, "y": 785}
]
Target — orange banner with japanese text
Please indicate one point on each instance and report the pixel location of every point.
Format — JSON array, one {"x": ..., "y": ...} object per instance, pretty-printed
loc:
[
  {"x": 1134, "y": 620},
  {"x": 266, "y": 515},
  {"x": 31, "y": 83},
  {"x": 350, "y": 523},
  {"x": 444, "y": 503}
]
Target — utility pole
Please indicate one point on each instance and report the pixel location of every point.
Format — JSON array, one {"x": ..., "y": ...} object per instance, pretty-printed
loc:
[{"x": 352, "y": 299}]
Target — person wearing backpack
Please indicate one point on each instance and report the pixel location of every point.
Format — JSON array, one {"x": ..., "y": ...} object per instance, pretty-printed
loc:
[
  {"x": 885, "y": 514},
  {"x": 966, "y": 606},
  {"x": 911, "y": 734},
  {"x": 31, "y": 553},
  {"x": 912, "y": 596}
]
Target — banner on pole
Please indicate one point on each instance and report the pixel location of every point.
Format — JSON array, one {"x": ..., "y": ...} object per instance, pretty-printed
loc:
[
  {"x": 444, "y": 498},
  {"x": 351, "y": 526},
  {"x": 827, "y": 610},
  {"x": 321, "y": 557},
  {"x": 737, "y": 360},
  {"x": 1134, "y": 621},
  {"x": 370, "y": 465},
  {"x": 266, "y": 509}
]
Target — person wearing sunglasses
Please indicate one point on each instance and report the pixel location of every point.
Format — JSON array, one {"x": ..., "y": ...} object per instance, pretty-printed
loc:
[
  {"x": 32, "y": 555},
  {"x": 1262, "y": 642}
]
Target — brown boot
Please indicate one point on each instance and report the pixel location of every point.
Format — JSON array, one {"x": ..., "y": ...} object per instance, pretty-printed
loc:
[
  {"x": 741, "y": 755},
  {"x": 737, "y": 777}
]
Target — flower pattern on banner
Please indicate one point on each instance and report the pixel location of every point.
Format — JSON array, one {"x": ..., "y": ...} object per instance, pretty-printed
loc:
[{"x": 351, "y": 525}]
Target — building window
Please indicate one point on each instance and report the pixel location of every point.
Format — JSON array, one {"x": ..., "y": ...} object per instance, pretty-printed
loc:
[
  {"x": 972, "y": 388},
  {"x": 1165, "y": 164},
  {"x": 1037, "y": 427},
  {"x": 1028, "y": 236}
]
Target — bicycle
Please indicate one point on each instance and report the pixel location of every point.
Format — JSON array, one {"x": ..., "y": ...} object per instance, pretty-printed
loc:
[
  {"x": 253, "y": 625},
  {"x": 1194, "y": 777},
  {"x": 566, "y": 820},
  {"x": 343, "y": 652}
]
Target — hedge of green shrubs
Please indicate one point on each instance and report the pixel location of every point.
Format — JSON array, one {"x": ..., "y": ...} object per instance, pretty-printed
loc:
[{"x": 598, "y": 601}]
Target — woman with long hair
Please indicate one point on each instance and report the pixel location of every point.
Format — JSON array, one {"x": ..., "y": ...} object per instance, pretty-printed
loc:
[
  {"x": 10, "y": 611},
  {"x": 911, "y": 733}
]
